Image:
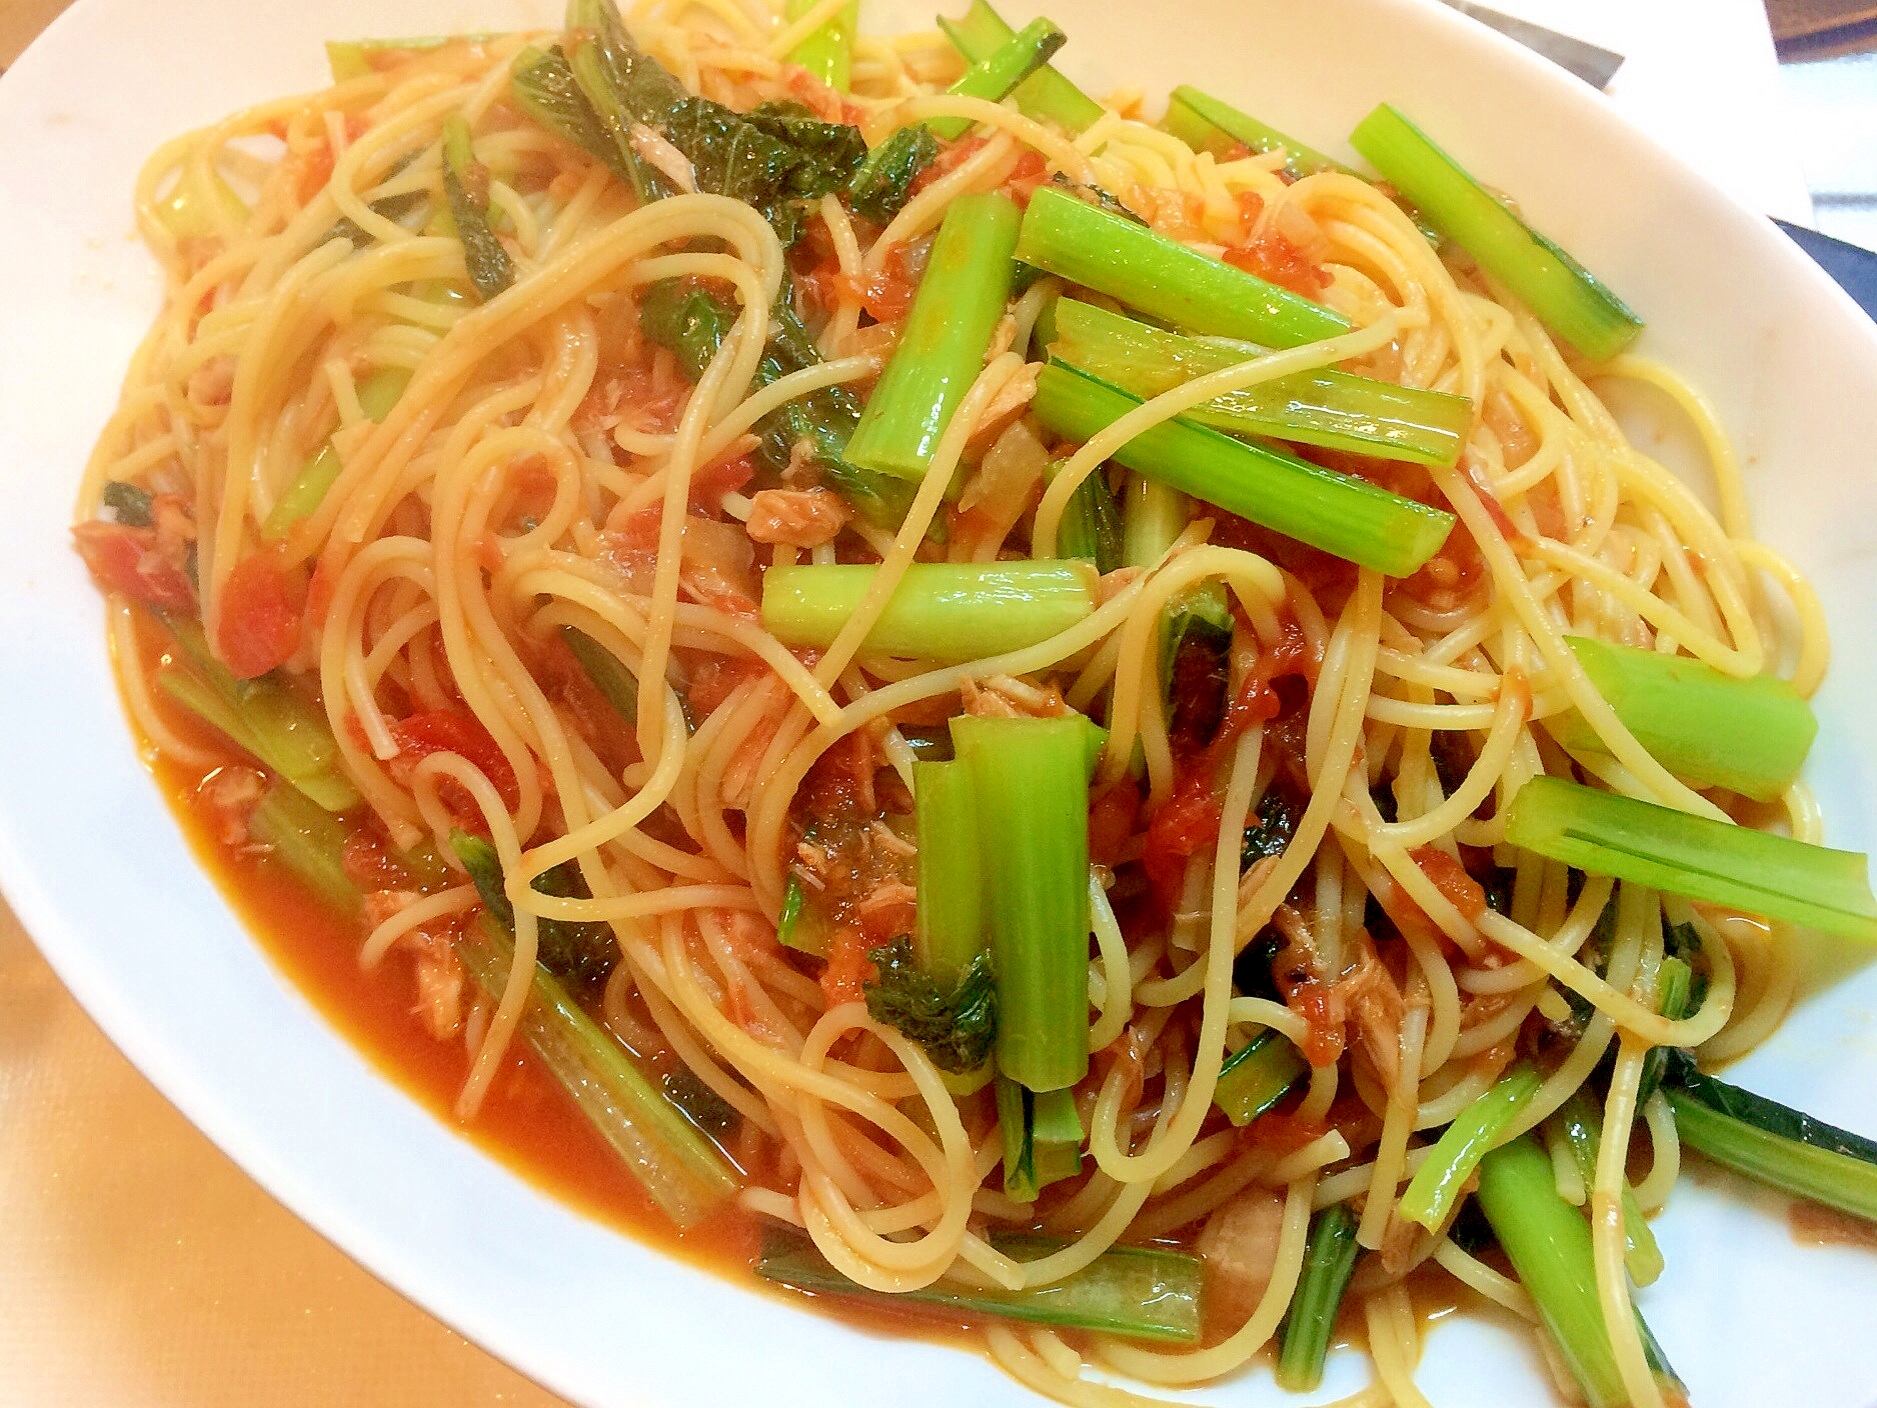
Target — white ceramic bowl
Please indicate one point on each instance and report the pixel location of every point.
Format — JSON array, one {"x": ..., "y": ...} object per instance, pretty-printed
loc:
[{"x": 94, "y": 864}]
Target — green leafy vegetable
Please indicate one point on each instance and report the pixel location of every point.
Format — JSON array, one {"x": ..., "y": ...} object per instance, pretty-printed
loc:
[
  {"x": 1091, "y": 523},
  {"x": 1440, "y": 1183},
  {"x": 1147, "y": 1293},
  {"x": 943, "y": 341},
  {"x": 580, "y": 952},
  {"x": 1565, "y": 295},
  {"x": 1207, "y": 125},
  {"x": 802, "y": 925},
  {"x": 1335, "y": 409},
  {"x": 882, "y": 183},
  {"x": 827, "y": 53},
  {"x": 1270, "y": 830},
  {"x": 1258, "y": 1075},
  {"x": 1309, "y": 1324},
  {"x": 377, "y": 394},
  {"x": 1549, "y": 1245},
  {"x": 465, "y": 184},
  {"x": 543, "y": 86},
  {"x": 1748, "y": 735},
  {"x": 129, "y": 504},
  {"x": 1042, "y": 1136},
  {"x": 956, "y": 1023},
  {"x": 1694, "y": 856},
  {"x": 267, "y": 717},
  {"x": 940, "y": 610},
  {"x": 1344, "y": 516},
  {"x": 1583, "y": 1131},
  {"x": 1772, "y": 1143},
  {"x": 692, "y": 323},
  {"x": 771, "y": 159},
  {"x": 612, "y": 679},
  {"x": 1045, "y": 95},
  {"x": 310, "y": 841},
  {"x": 950, "y": 929},
  {"x": 659, "y": 1143}
]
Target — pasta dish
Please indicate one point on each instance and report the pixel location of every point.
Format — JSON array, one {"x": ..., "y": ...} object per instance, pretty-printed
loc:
[{"x": 1074, "y": 719}]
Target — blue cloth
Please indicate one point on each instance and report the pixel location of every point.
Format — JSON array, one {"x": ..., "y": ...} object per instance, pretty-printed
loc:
[{"x": 1854, "y": 268}]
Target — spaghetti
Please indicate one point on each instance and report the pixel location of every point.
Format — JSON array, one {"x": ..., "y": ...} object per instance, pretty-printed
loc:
[{"x": 465, "y": 466}]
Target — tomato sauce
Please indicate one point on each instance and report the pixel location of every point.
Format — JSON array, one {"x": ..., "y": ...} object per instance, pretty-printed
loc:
[{"x": 527, "y": 1123}]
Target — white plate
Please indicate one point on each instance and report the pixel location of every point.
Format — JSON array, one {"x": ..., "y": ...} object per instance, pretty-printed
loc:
[{"x": 94, "y": 864}]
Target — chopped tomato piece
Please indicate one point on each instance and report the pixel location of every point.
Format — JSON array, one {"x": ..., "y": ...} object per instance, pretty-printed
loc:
[
  {"x": 262, "y": 608},
  {"x": 1450, "y": 878},
  {"x": 126, "y": 560},
  {"x": 1276, "y": 260},
  {"x": 446, "y": 731}
]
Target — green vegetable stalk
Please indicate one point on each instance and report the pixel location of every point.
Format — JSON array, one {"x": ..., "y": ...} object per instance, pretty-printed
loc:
[
  {"x": 828, "y": 53},
  {"x": 1144, "y": 1293},
  {"x": 1032, "y": 776},
  {"x": 377, "y": 394},
  {"x": 1664, "y": 849},
  {"x": 657, "y": 1141},
  {"x": 941, "y": 348},
  {"x": 1163, "y": 278},
  {"x": 1328, "y": 1261},
  {"x": 1325, "y": 407},
  {"x": 1258, "y": 1075},
  {"x": 1207, "y": 125},
  {"x": 1045, "y": 95},
  {"x": 578, "y": 952},
  {"x": 1772, "y": 1143},
  {"x": 1346, "y": 517},
  {"x": 1747, "y": 735},
  {"x": 940, "y": 611},
  {"x": 1437, "y": 1187},
  {"x": 1563, "y": 294}
]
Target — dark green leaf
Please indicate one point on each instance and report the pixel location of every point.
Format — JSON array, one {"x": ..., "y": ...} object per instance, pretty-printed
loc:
[
  {"x": 465, "y": 182},
  {"x": 612, "y": 679},
  {"x": 1764, "y": 1114},
  {"x": 955, "y": 1025},
  {"x": 708, "y": 1110},
  {"x": 392, "y": 208},
  {"x": 771, "y": 159},
  {"x": 128, "y": 504},
  {"x": 543, "y": 86},
  {"x": 880, "y": 186},
  {"x": 1272, "y": 828},
  {"x": 691, "y": 322},
  {"x": 827, "y": 152},
  {"x": 579, "y": 952}
]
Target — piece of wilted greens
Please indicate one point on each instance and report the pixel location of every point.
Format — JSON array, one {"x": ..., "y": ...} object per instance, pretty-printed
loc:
[
  {"x": 129, "y": 504},
  {"x": 883, "y": 181},
  {"x": 662, "y": 1142},
  {"x": 465, "y": 185},
  {"x": 580, "y": 952},
  {"x": 772, "y": 159},
  {"x": 955, "y": 1022},
  {"x": 614, "y": 681},
  {"x": 1772, "y": 1143},
  {"x": 1270, "y": 831},
  {"x": 543, "y": 85},
  {"x": 692, "y": 323},
  {"x": 393, "y": 208}
]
